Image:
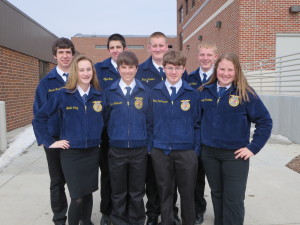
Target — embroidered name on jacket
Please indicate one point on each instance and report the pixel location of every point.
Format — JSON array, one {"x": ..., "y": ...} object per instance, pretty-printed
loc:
[
  {"x": 107, "y": 78},
  {"x": 55, "y": 89},
  {"x": 160, "y": 101},
  {"x": 72, "y": 107},
  {"x": 206, "y": 100},
  {"x": 193, "y": 83},
  {"x": 147, "y": 79},
  {"x": 116, "y": 103}
]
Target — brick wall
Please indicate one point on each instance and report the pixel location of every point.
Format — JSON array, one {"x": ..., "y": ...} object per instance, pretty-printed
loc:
[
  {"x": 248, "y": 28},
  {"x": 19, "y": 76},
  {"x": 260, "y": 22}
]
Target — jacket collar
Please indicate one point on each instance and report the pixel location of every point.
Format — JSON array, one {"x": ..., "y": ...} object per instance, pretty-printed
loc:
[
  {"x": 54, "y": 75},
  {"x": 138, "y": 85}
]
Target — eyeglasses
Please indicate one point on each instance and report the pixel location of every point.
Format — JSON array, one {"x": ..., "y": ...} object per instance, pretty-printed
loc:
[{"x": 176, "y": 68}]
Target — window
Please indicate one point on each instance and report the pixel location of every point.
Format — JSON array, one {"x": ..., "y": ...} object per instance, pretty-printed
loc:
[
  {"x": 180, "y": 14},
  {"x": 101, "y": 47},
  {"x": 42, "y": 69},
  {"x": 180, "y": 41},
  {"x": 193, "y": 3},
  {"x": 135, "y": 46},
  {"x": 186, "y": 7},
  {"x": 170, "y": 46}
]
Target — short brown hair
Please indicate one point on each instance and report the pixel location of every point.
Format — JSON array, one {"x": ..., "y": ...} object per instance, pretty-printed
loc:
[
  {"x": 127, "y": 58},
  {"x": 175, "y": 58},
  {"x": 62, "y": 43}
]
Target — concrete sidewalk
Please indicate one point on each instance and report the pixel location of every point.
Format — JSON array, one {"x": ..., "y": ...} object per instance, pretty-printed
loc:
[{"x": 272, "y": 196}]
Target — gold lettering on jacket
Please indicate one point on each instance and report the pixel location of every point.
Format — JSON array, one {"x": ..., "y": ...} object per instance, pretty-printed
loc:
[
  {"x": 71, "y": 107},
  {"x": 161, "y": 101},
  {"x": 55, "y": 89}
]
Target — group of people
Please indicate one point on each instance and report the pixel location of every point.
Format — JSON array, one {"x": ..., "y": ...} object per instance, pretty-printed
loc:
[{"x": 153, "y": 129}]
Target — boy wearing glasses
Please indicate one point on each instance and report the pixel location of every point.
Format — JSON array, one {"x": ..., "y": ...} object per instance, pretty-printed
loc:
[{"x": 175, "y": 138}]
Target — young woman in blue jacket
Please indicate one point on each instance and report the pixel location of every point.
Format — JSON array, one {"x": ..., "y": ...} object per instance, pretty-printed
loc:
[
  {"x": 80, "y": 105},
  {"x": 229, "y": 106}
]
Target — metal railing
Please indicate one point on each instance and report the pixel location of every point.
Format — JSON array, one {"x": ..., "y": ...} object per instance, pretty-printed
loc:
[{"x": 275, "y": 76}]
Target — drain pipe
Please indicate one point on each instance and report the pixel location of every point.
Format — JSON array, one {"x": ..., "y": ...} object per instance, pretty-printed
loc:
[{"x": 3, "y": 135}]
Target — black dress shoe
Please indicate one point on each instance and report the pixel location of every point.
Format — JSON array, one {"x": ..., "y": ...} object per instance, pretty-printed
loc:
[
  {"x": 152, "y": 221},
  {"x": 199, "y": 219},
  {"x": 105, "y": 220},
  {"x": 177, "y": 219}
]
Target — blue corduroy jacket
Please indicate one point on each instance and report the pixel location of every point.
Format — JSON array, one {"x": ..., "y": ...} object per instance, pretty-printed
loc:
[
  {"x": 81, "y": 124},
  {"x": 47, "y": 87},
  {"x": 226, "y": 122},
  {"x": 149, "y": 75},
  {"x": 174, "y": 125},
  {"x": 106, "y": 73},
  {"x": 127, "y": 121}
]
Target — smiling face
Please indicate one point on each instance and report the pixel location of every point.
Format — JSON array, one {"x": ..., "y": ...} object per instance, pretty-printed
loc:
[
  {"x": 127, "y": 73},
  {"x": 158, "y": 47},
  {"x": 206, "y": 58},
  {"x": 225, "y": 72},
  {"x": 114, "y": 49},
  {"x": 64, "y": 58},
  {"x": 85, "y": 74},
  {"x": 173, "y": 73}
]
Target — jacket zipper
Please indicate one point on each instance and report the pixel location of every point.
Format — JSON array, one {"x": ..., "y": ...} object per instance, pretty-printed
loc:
[
  {"x": 85, "y": 109},
  {"x": 128, "y": 124}
]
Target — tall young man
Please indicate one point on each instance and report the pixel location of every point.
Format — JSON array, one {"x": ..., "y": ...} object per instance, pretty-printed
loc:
[
  {"x": 63, "y": 51},
  {"x": 107, "y": 73},
  {"x": 150, "y": 73},
  {"x": 207, "y": 55}
]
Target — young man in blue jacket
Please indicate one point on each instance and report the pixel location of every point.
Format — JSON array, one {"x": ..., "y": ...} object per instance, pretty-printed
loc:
[
  {"x": 150, "y": 73},
  {"x": 108, "y": 73},
  {"x": 207, "y": 55},
  {"x": 127, "y": 111},
  {"x": 174, "y": 139},
  {"x": 63, "y": 51}
]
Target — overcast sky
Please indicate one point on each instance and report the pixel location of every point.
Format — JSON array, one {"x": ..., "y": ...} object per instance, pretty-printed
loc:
[{"x": 66, "y": 18}]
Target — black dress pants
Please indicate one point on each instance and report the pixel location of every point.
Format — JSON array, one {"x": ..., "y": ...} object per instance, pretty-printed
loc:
[
  {"x": 153, "y": 201},
  {"x": 227, "y": 178},
  {"x": 127, "y": 170},
  {"x": 59, "y": 204},
  {"x": 105, "y": 188},
  {"x": 200, "y": 202},
  {"x": 179, "y": 166}
]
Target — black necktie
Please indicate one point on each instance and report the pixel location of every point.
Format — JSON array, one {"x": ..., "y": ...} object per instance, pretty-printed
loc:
[
  {"x": 173, "y": 94},
  {"x": 204, "y": 78},
  {"x": 128, "y": 92},
  {"x": 161, "y": 72},
  {"x": 84, "y": 98},
  {"x": 66, "y": 75},
  {"x": 221, "y": 91}
]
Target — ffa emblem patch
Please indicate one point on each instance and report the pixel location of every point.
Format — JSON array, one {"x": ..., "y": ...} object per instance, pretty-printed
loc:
[
  {"x": 97, "y": 106},
  {"x": 138, "y": 103},
  {"x": 234, "y": 100},
  {"x": 185, "y": 105}
]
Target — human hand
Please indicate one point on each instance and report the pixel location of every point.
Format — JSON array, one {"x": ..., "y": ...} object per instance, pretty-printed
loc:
[
  {"x": 64, "y": 144},
  {"x": 243, "y": 153}
]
